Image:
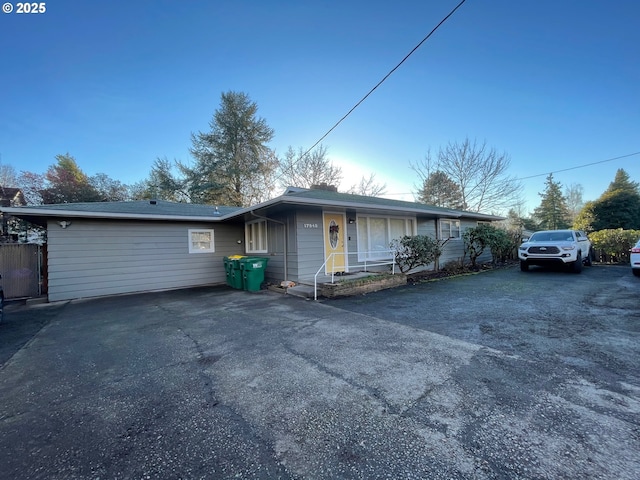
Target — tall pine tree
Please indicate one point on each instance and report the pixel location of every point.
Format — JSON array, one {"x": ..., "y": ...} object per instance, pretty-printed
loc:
[
  {"x": 552, "y": 212},
  {"x": 438, "y": 189},
  {"x": 233, "y": 165},
  {"x": 619, "y": 205}
]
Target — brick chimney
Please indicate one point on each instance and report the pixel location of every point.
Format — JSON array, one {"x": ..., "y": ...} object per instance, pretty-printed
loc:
[{"x": 324, "y": 186}]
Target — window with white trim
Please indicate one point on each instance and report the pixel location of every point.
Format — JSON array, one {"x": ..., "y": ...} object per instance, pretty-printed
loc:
[
  {"x": 255, "y": 236},
  {"x": 375, "y": 235},
  {"x": 449, "y": 228},
  {"x": 201, "y": 240}
]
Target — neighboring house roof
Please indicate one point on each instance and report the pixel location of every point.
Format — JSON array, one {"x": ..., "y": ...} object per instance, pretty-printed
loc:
[
  {"x": 135, "y": 210},
  {"x": 162, "y": 210},
  {"x": 11, "y": 196}
]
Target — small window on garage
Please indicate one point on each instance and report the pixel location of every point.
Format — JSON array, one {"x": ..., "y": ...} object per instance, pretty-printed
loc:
[
  {"x": 201, "y": 241},
  {"x": 255, "y": 234},
  {"x": 449, "y": 229}
]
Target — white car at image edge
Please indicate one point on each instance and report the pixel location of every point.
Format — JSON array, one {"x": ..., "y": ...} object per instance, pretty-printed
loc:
[{"x": 635, "y": 259}]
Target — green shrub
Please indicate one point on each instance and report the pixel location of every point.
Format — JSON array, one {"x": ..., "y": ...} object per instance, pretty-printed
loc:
[
  {"x": 415, "y": 251},
  {"x": 614, "y": 244},
  {"x": 485, "y": 236}
]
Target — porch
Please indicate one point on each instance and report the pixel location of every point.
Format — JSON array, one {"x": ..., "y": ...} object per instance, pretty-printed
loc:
[{"x": 309, "y": 287}]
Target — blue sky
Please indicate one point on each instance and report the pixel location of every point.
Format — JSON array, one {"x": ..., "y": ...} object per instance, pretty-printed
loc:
[{"x": 117, "y": 84}]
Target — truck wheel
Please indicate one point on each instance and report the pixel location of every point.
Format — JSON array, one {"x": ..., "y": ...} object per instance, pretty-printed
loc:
[
  {"x": 589, "y": 260},
  {"x": 577, "y": 265},
  {"x": 524, "y": 266}
]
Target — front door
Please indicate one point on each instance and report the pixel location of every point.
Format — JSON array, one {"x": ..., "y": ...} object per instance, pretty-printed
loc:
[{"x": 334, "y": 244}]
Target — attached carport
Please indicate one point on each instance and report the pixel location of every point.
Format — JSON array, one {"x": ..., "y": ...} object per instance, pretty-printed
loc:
[{"x": 96, "y": 249}]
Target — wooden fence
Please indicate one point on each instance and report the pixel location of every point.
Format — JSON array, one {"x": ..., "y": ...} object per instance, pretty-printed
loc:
[{"x": 20, "y": 267}]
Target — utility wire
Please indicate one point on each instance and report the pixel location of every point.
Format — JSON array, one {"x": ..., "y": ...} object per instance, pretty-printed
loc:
[
  {"x": 380, "y": 82},
  {"x": 556, "y": 171},
  {"x": 580, "y": 166}
]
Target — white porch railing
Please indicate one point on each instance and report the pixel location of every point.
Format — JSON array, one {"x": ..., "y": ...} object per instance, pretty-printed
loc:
[{"x": 362, "y": 267}]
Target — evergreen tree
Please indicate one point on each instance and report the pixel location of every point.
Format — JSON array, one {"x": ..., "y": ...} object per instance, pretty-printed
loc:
[
  {"x": 163, "y": 183},
  {"x": 622, "y": 182},
  {"x": 67, "y": 183},
  {"x": 619, "y": 205},
  {"x": 438, "y": 189},
  {"x": 585, "y": 219},
  {"x": 233, "y": 165},
  {"x": 552, "y": 212}
]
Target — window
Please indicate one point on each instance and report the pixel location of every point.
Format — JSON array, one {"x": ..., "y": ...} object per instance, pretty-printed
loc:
[
  {"x": 201, "y": 241},
  {"x": 375, "y": 235},
  {"x": 255, "y": 236},
  {"x": 449, "y": 229}
]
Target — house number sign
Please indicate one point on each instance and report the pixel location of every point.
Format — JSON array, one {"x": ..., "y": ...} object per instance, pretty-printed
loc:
[{"x": 310, "y": 225}]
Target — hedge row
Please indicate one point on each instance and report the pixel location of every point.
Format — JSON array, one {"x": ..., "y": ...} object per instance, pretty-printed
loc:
[{"x": 613, "y": 245}]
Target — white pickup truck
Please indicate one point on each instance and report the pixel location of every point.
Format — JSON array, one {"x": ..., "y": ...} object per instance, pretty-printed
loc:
[{"x": 548, "y": 247}]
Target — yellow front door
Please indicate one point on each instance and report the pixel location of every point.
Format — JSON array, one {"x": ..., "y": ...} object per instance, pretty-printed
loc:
[{"x": 334, "y": 245}]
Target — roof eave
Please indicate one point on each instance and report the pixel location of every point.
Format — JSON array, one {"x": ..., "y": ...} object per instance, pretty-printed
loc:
[
  {"x": 341, "y": 204},
  {"x": 41, "y": 212}
]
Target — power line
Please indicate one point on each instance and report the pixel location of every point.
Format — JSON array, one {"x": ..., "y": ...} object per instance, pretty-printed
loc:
[
  {"x": 579, "y": 166},
  {"x": 556, "y": 171},
  {"x": 381, "y": 81}
]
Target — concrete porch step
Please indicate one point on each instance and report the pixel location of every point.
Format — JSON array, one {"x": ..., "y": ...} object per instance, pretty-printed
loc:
[{"x": 301, "y": 290}]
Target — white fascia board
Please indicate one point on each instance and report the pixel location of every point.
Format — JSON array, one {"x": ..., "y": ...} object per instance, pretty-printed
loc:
[{"x": 43, "y": 212}]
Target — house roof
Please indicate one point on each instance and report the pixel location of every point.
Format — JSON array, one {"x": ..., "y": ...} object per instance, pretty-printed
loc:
[
  {"x": 326, "y": 198},
  {"x": 162, "y": 210},
  {"x": 136, "y": 210},
  {"x": 9, "y": 195}
]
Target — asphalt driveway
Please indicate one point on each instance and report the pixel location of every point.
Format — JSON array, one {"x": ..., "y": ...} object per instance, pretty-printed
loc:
[{"x": 498, "y": 375}]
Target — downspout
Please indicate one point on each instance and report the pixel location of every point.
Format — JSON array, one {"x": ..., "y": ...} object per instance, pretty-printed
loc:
[
  {"x": 286, "y": 240},
  {"x": 436, "y": 264}
]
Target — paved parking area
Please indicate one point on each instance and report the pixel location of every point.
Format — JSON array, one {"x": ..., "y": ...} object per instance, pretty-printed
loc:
[{"x": 498, "y": 375}]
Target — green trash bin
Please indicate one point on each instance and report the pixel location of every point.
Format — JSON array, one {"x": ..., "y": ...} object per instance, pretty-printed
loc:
[
  {"x": 253, "y": 272},
  {"x": 233, "y": 273}
]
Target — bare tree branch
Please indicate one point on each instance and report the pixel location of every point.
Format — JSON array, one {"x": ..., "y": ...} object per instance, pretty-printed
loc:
[
  {"x": 368, "y": 187},
  {"x": 314, "y": 168}
]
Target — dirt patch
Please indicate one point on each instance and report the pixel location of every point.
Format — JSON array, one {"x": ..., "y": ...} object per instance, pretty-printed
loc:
[{"x": 430, "y": 275}]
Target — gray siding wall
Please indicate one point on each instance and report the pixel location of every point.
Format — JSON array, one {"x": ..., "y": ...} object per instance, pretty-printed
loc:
[
  {"x": 95, "y": 258},
  {"x": 310, "y": 246},
  {"x": 452, "y": 252},
  {"x": 454, "y": 249},
  {"x": 275, "y": 238},
  {"x": 427, "y": 227}
]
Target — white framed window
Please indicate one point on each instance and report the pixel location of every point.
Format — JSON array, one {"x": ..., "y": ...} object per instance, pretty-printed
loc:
[
  {"x": 255, "y": 236},
  {"x": 375, "y": 235},
  {"x": 449, "y": 228},
  {"x": 201, "y": 240}
]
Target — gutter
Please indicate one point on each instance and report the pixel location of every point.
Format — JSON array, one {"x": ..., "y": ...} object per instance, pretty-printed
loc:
[{"x": 53, "y": 213}]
